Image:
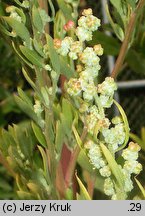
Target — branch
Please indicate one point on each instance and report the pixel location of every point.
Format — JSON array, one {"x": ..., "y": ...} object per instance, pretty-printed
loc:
[{"x": 128, "y": 34}]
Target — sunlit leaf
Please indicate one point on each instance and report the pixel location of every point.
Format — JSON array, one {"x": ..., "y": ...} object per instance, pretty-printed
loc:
[
  {"x": 36, "y": 18},
  {"x": 84, "y": 195},
  {"x": 67, "y": 11},
  {"x": 113, "y": 166},
  {"x": 39, "y": 135},
  {"x": 32, "y": 56},
  {"x": 19, "y": 28},
  {"x": 140, "y": 187},
  {"x": 126, "y": 125}
]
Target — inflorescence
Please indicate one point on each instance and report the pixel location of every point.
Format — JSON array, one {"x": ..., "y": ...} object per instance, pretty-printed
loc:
[{"x": 92, "y": 100}]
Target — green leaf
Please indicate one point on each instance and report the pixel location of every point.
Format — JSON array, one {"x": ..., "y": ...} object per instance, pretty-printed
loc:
[
  {"x": 140, "y": 187},
  {"x": 25, "y": 195},
  {"x": 126, "y": 125},
  {"x": 132, "y": 3},
  {"x": 143, "y": 134},
  {"x": 136, "y": 61},
  {"x": 53, "y": 54},
  {"x": 66, "y": 117},
  {"x": 19, "y": 28},
  {"x": 77, "y": 137},
  {"x": 118, "y": 4},
  {"x": 24, "y": 97},
  {"x": 6, "y": 140},
  {"x": 67, "y": 11},
  {"x": 34, "y": 189},
  {"x": 38, "y": 47},
  {"x": 4, "y": 30},
  {"x": 26, "y": 108},
  {"x": 45, "y": 162},
  {"x": 24, "y": 138},
  {"x": 59, "y": 137},
  {"x": 32, "y": 56},
  {"x": 39, "y": 135},
  {"x": 58, "y": 62},
  {"x": 2, "y": 12},
  {"x": 36, "y": 18},
  {"x": 113, "y": 166},
  {"x": 84, "y": 195},
  {"x": 18, "y": 2},
  {"x": 109, "y": 44},
  {"x": 45, "y": 95},
  {"x": 117, "y": 29},
  {"x": 21, "y": 57},
  {"x": 52, "y": 10},
  {"x": 67, "y": 111},
  {"x": 29, "y": 79}
]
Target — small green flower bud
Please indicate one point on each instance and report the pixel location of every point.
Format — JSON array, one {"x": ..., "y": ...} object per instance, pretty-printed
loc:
[
  {"x": 105, "y": 171},
  {"x": 109, "y": 187}
]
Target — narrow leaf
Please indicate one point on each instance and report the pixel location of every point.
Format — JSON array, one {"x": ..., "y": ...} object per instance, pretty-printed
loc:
[
  {"x": 21, "y": 56},
  {"x": 39, "y": 135},
  {"x": 19, "y": 28},
  {"x": 126, "y": 125},
  {"x": 37, "y": 21},
  {"x": 67, "y": 11},
  {"x": 45, "y": 162},
  {"x": 140, "y": 187},
  {"x": 84, "y": 195},
  {"x": 113, "y": 165},
  {"x": 53, "y": 54},
  {"x": 59, "y": 137},
  {"x": 24, "y": 97},
  {"x": 32, "y": 56}
]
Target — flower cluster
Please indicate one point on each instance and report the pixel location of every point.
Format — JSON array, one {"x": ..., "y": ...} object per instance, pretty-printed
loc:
[
  {"x": 114, "y": 136},
  {"x": 87, "y": 24},
  {"x": 97, "y": 159},
  {"x": 131, "y": 166},
  {"x": 106, "y": 90},
  {"x": 92, "y": 99}
]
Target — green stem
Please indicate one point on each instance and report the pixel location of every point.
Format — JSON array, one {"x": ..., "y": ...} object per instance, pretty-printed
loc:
[{"x": 128, "y": 34}]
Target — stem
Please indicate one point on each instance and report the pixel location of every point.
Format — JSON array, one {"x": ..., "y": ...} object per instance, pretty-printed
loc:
[
  {"x": 44, "y": 5},
  {"x": 73, "y": 160},
  {"x": 128, "y": 34}
]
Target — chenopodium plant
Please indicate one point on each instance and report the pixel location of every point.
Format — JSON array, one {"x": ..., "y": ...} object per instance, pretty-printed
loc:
[{"x": 75, "y": 117}]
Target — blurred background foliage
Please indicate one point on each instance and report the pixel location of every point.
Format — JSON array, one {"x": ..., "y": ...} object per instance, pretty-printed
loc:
[{"x": 132, "y": 100}]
